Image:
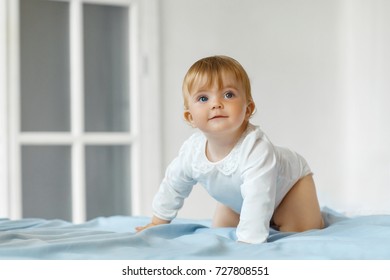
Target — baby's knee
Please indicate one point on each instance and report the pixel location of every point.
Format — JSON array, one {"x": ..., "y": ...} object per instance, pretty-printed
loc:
[
  {"x": 302, "y": 226},
  {"x": 225, "y": 217}
]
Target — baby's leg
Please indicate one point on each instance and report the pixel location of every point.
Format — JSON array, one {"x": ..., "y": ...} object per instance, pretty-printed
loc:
[
  {"x": 299, "y": 209},
  {"x": 225, "y": 217}
]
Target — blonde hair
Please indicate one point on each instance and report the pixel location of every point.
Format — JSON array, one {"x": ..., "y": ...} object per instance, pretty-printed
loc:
[{"x": 211, "y": 70}]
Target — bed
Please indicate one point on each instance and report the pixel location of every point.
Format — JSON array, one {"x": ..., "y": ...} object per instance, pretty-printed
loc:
[{"x": 352, "y": 238}]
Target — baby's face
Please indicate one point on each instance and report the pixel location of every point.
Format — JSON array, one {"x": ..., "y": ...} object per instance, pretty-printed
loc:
[{"x": 219, "y": 107}]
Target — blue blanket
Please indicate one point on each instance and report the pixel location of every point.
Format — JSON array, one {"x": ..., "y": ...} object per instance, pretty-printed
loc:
[{"x": 363, "y": 237}]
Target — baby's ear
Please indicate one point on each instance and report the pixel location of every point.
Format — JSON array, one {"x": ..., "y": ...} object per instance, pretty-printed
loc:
[
  {"x": 188, "y": 118},
  {"x": 250, "y": 109}
]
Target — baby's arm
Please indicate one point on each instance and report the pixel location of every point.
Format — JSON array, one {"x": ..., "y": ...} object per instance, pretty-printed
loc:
[
  {"x": 258, "y": 191},
  {"x": 155, "y": 222},
  {"x": 174, "y": 188}
]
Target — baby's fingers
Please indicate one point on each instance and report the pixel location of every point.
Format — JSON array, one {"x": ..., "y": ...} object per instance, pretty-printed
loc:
[{"x": 140, "y": 228}]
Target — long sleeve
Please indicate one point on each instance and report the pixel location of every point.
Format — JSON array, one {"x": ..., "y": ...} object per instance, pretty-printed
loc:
[
  {"x": 258, "y": 191},
  {"x": 175, "y": 187}
]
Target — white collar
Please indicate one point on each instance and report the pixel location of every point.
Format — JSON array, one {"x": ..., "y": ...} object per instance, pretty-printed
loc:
[{"x": 227, "y": 166}]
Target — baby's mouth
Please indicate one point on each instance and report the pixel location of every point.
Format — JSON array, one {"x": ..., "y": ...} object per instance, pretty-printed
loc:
[{"x": 218, "y": 117}]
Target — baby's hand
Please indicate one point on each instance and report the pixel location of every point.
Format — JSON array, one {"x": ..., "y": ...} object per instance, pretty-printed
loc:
[
  {"x": 155, "y": 222},
  {"x": 141, "y": 228}
]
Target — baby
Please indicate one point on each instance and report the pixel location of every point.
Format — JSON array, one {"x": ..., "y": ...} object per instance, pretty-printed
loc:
[{"x": 257, "y": 184}]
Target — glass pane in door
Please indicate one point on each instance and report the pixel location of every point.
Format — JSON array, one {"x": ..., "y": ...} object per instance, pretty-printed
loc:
[
  {"x": 46, "y": 182},
  {"x": 44, "y": 64},
  {"x": 107, "y": 180},
  {"x": 106, "y": 70}
]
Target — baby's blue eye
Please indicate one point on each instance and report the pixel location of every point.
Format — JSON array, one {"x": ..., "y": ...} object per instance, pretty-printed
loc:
[
  {"x": 229, "y": 95},
  {"x": 203, "y": 99}
]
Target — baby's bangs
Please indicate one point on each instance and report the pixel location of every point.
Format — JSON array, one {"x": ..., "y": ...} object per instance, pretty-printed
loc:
[{"x": 204, "y": 80}]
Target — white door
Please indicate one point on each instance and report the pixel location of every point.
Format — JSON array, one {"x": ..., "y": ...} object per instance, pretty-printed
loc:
[{"x": 75, "y": 86}]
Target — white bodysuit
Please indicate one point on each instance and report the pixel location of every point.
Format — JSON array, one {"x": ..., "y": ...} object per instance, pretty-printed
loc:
[{"x": 252, "y": 180}]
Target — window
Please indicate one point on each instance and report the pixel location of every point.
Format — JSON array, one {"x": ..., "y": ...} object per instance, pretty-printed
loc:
[{"x": 75, "y": 80}]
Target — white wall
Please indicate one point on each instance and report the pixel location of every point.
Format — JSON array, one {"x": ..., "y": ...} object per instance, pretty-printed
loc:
[
  {"x": 319, "y": 73},
  {"x": 367, "y": 91}
]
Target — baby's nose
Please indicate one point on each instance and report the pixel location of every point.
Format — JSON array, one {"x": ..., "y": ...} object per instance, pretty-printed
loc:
[{"x": 217, "y": 104}]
